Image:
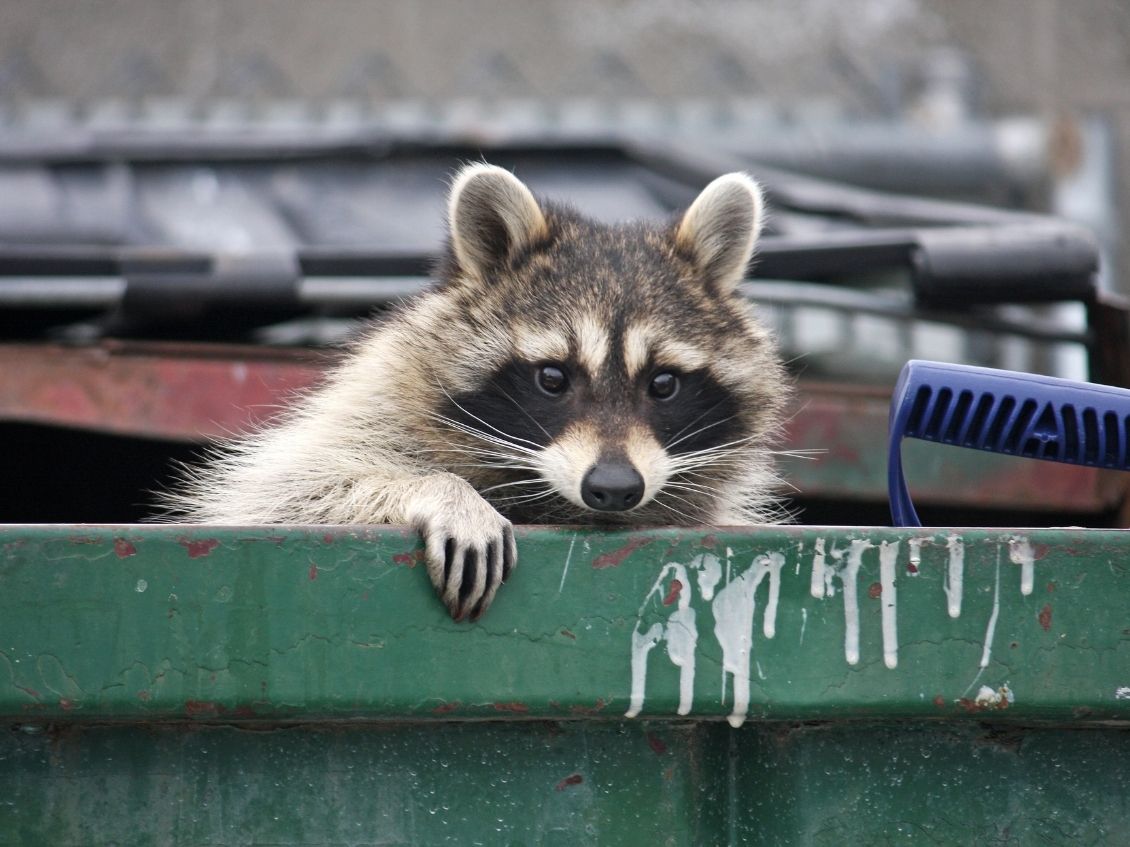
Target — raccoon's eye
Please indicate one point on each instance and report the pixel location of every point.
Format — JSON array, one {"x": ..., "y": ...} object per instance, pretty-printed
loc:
[
  {"x": 552, "y": 380},
  {"x": 663, "y": 386}
]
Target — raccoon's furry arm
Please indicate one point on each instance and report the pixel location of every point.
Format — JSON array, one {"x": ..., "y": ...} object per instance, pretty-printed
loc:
[
  {"x": 469, "y": 546},
  {"x": 294, "y": 474}
]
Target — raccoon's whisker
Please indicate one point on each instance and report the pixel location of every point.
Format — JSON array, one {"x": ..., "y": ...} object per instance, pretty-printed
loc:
[
  {"x": 687, "y": 518},
  {"x": 690, "y": 486},
  {"x": 799, "y": 454},
  {"x": 667, "y": 492},
  {"x": 515, "y": 482},
  {"x": 700, "y": 430},
  {"x": 480, "y": 420},
  {"x": 522, "y": 409},
  {"x": 523, "y": 498},
  {"x": 729, "y": 444},
  {"x": 491, "y": 467},
  {"x": 484, "y": 436},
  {"x": 672, "y": 441},
  {"x": 712, "y": 459},
  {"x": 487, "y": 458},
  {"x": 493, "y": 457},
  {"x": 707, "y": 455}
]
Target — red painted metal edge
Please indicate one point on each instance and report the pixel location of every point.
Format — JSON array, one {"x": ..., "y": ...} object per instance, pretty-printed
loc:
[{"x": 192, "y": 392}]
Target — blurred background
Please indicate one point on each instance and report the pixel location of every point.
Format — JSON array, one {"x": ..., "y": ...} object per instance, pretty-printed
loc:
[
  {"x": 781, "y": 75},
  {"x": 265, "y": 173}
]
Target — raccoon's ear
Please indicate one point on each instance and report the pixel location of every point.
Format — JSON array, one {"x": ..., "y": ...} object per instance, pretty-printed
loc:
[
  {"x": 721, "y": 227},
  {"x": 492, "y": 216}
]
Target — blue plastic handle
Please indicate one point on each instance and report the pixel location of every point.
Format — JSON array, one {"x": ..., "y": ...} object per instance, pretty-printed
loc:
[{"x": 1018, "y": 414}]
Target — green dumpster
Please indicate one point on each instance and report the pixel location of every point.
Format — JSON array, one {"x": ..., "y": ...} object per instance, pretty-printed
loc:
[{"x": 799, "y": 685}]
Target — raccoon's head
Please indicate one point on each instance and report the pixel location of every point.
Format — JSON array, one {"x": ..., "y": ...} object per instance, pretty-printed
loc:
[{"x": 609, "y": 373}]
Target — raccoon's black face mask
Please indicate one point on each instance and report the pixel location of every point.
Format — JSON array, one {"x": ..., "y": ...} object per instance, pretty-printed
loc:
[{"x": 619, "y": 372}]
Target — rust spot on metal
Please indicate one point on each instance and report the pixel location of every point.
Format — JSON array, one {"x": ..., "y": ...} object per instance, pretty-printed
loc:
[
  {"x": 410, "y": 559},
  {"x": 123, "y": 548},
  {"x": 673, "y": 593},
  {"x": 939, "y": 701},
  {"x": 327, "y": 539},
  {"x": 200, "y": 708},
  {"x": 66, "y": 704},
  {"x": 517, "y": 708},
  {"x": 313, "y": 571},
  {"x": 875, "y": 590},
  {"x": 617, "y": 557},
  {"x": 974, "y": 706},
  {"x": 446, "y": 708},
  {"x": 199, "y": 549},
  {"x": 568, "y": 633},
  {"x": 30, "y": 692},
  {"x": 1051, "y": 588},
  {"x": 912, "y": 568},
  {"x": 588, "y": 710},
  {"x": 656, "y": 744},
  {"x": 572, "y": 779},
  {"x": 83, "y": 539},
  {"x": 143, "y": 695},
  {"x": 1045, "y": 617},
  {"x": 710, "y": 541},
  {"x": 1039, "y": 551}
]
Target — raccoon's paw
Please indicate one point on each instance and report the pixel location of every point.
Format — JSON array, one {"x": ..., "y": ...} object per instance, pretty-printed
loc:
[{"x": 470, "y": 552}]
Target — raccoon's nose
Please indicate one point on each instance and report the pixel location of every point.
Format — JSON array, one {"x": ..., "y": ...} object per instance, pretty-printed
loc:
[{"x": 612, "y": 487}]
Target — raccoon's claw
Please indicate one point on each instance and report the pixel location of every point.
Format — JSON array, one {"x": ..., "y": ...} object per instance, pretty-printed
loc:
[{"x": 469, "y": 560}]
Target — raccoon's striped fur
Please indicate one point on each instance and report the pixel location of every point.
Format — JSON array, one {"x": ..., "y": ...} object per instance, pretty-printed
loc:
[{"x": 563, "y": 371}]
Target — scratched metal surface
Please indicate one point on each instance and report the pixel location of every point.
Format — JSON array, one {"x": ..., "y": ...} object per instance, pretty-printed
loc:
[
  {"x": 564, "y": 784},
  {"x": 201, "y": 624},
  {"x": 187, "y": 685}
]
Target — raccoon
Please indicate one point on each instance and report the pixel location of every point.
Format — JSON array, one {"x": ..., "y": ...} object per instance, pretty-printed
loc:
[{"x": 562, "y": 371}]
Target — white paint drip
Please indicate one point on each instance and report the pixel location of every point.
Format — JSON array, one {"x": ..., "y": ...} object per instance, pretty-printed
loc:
[
  {"x": 681, "y": 634},
  {"x": 955, "y": 574},
  {"x": 915, "y": 547},
  {"x": 888, "y": 557},
  {"x": 1122, "y": 693},
  {"x": 803, "y": 624},
  {"x": 733, "y": 627},
  {"x": 709, "y": 569},
  {"x": 831, "y": 571},
  {"x": 816, "y": 585},
  {"x": 733, "y": 609},
  {"x": 1020, "y": 553},
  {"x": 641, "y": 646},
  {"x": 848, "y": 577},
  {"x": 990, "y": 630},
  {"x": 775, "y": 561},
  {"x": 568, "y": 558},
  {"x": 682, "y": 639}
]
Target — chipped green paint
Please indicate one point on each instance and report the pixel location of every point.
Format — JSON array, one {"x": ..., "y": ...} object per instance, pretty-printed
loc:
[
  {"x": 189, "y": 685},
  {"x": 228, "y": 624}
]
